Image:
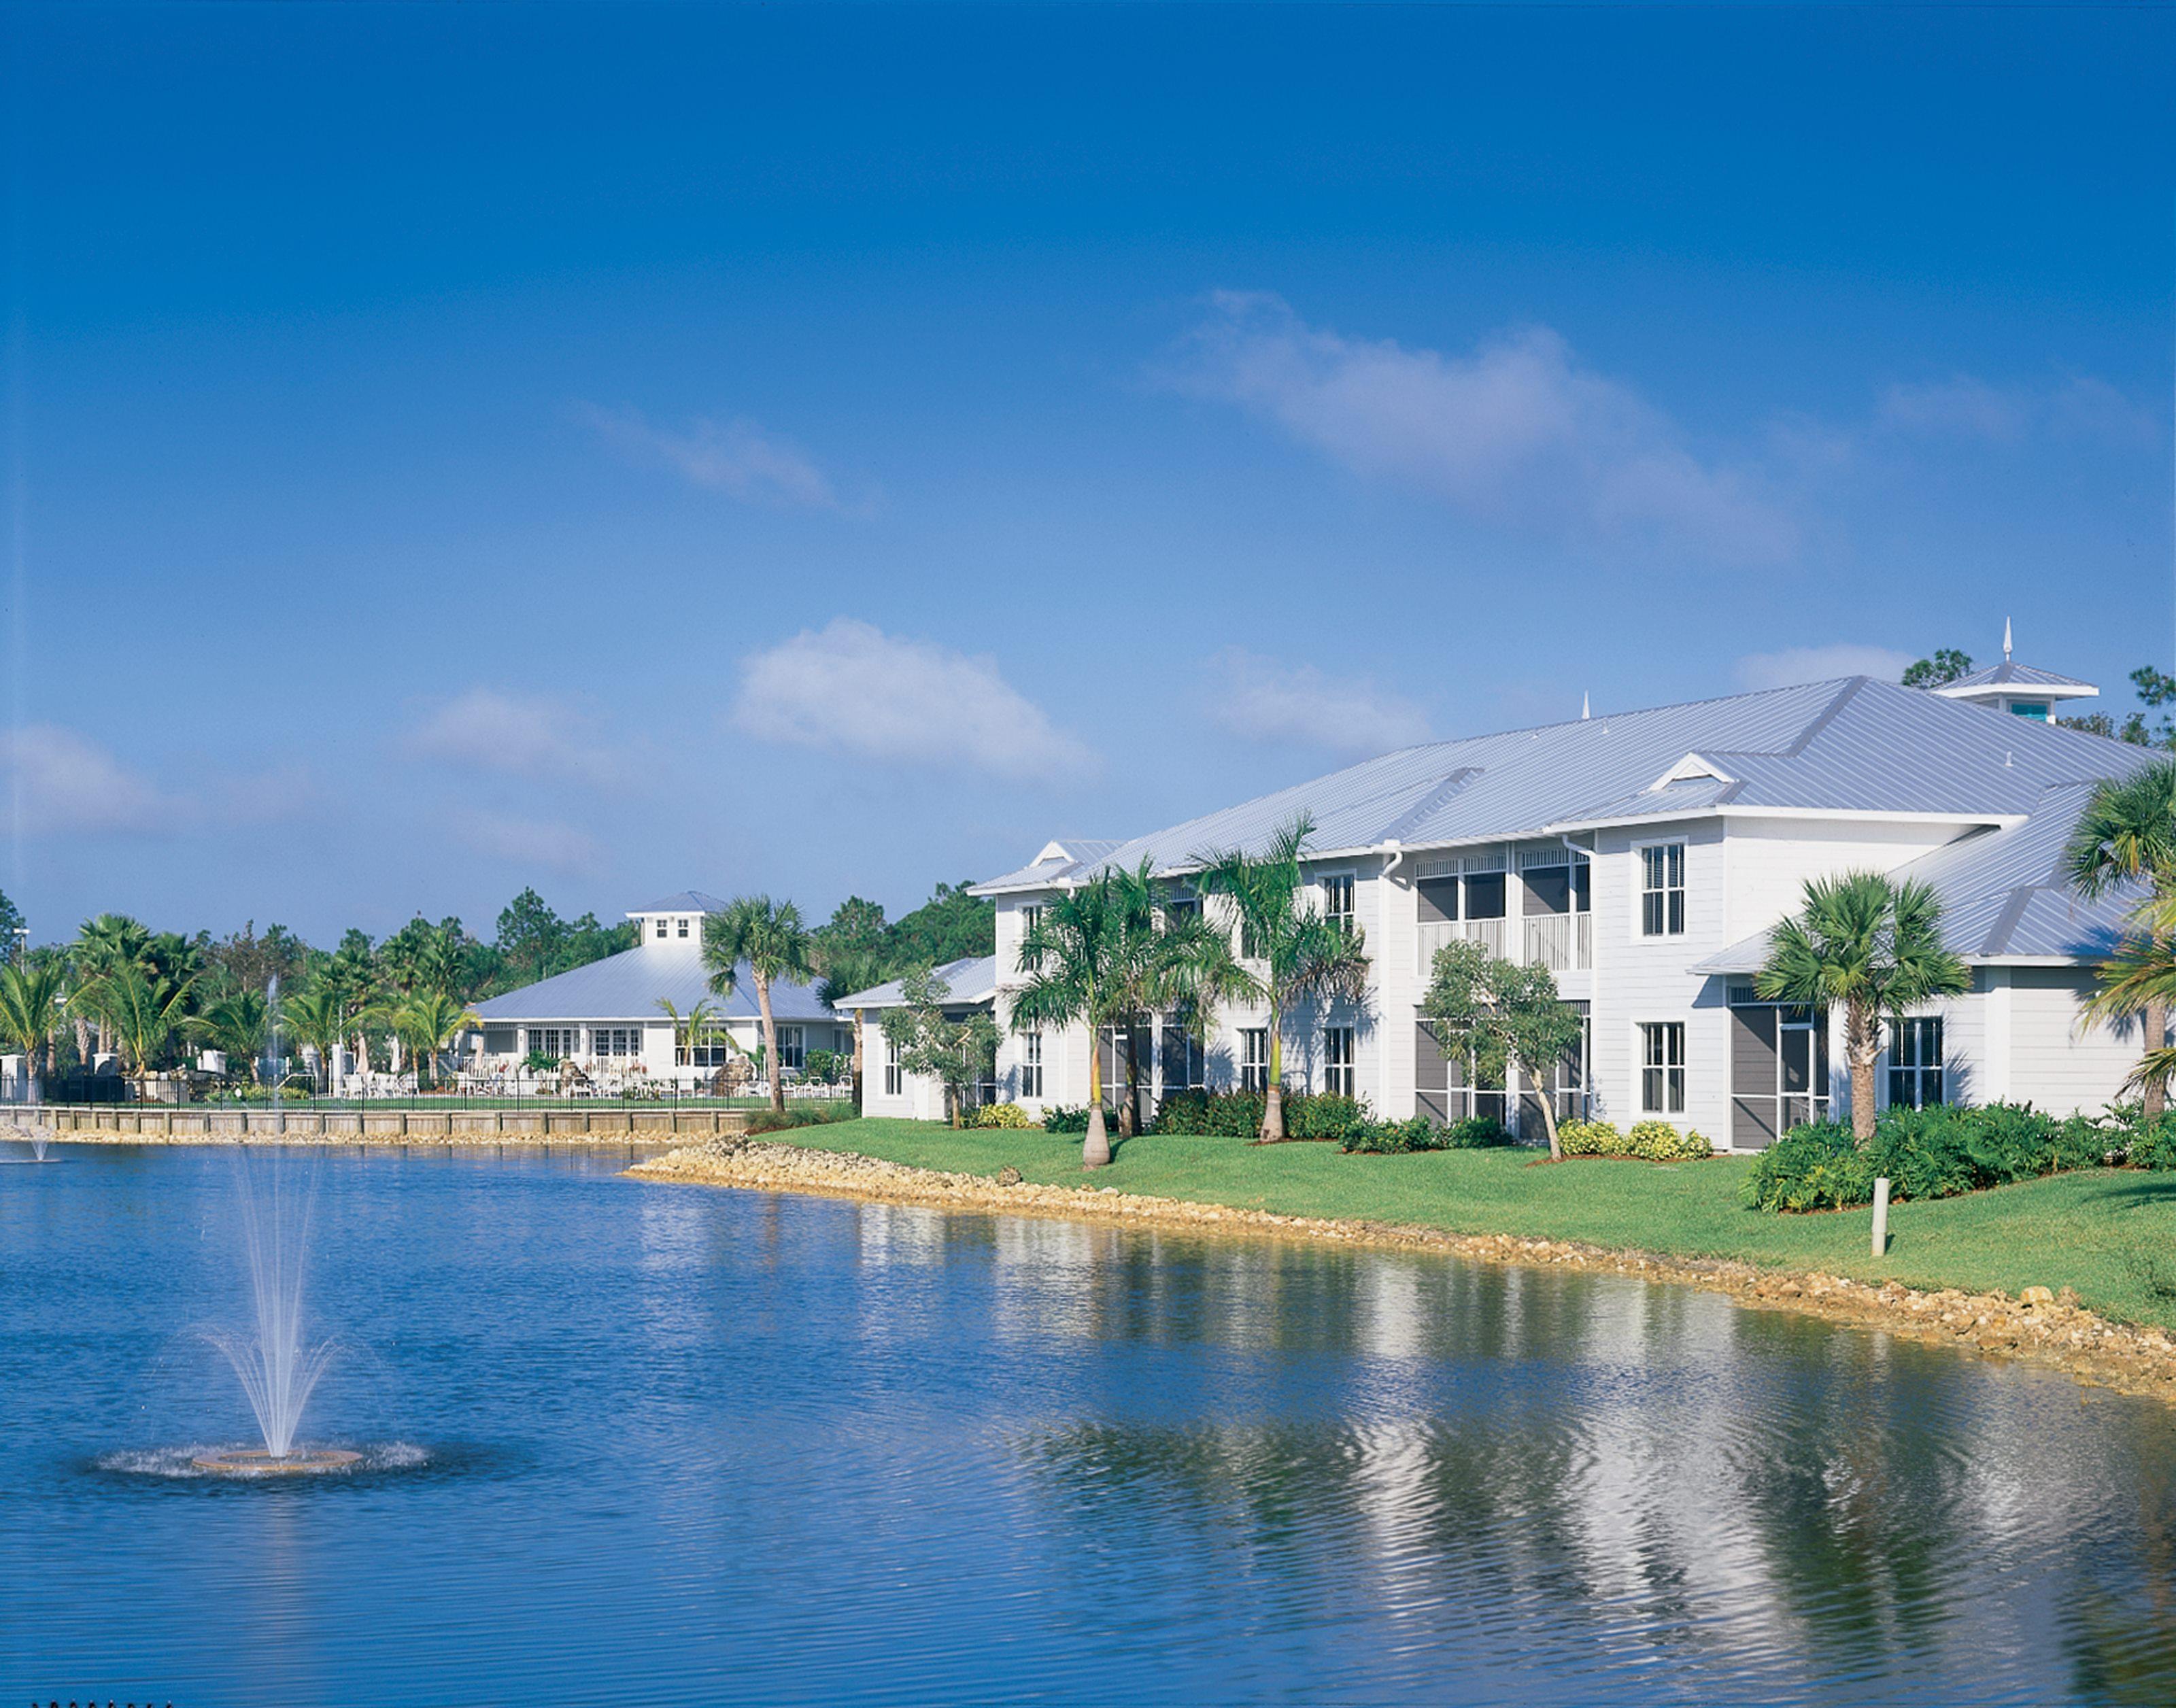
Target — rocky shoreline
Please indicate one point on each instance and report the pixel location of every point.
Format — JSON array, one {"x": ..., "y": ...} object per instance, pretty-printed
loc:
[{"x": 2037, "y": 1327}]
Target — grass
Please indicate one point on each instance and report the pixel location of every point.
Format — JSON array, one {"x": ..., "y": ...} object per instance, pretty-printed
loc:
[{"x": 2109, "y": 1234}]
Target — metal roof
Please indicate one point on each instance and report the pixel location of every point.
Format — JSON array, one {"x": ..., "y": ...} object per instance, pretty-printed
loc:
[
  {"x": 2009, "y": 675},
  {"x": 1850, "y": 746},
  {"x": 629, "y": 985},
  {"x": 686, "y": 901},
  {"x": 973, "y": 980},
  {"x": 2003, "y": 895}
]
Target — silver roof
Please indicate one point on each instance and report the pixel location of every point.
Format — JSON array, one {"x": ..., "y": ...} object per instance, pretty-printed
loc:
[
  {"x": 2004, "y": 895},
  {"x": 1066, "y": 858},
  {"x": 2010, "y": 675},
  {"x": 686, "y": 901},
  {"x": 628, "y": 986},
  {"x": 973, "y": 980},
  {"x": 1851, "y": 745}
]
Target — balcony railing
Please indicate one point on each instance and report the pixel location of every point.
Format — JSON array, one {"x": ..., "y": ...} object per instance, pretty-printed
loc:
[{"x": 1561, "y": 942}]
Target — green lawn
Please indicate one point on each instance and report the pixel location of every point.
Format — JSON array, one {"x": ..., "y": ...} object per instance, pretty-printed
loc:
[{"x": 2110, "y": 1235}]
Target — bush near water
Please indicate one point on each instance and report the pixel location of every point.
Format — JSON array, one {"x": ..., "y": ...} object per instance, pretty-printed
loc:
[{"x": 1939, "y": 1152}]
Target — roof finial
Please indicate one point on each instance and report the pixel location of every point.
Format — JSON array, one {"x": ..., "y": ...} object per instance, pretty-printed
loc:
[
  {"x": 2005, "y": 640},
  {"x": 1586, "y": 707}
]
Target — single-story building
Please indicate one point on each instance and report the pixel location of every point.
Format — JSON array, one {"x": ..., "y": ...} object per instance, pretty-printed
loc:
[
  {"x": 887, "y": 1088},
  {"x": 610, "y": 1019}
]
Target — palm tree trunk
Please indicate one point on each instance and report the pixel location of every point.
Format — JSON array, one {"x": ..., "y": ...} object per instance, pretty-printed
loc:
[
  {"x": 1096, "y": 1148},
  {"x": 861, "y": 1025},
  {"x": 2155, "y": 1091},
  {"x": 1273, "y": 1095},
  {"x": 770, "y": 1044},
  {"x": 1129, "y": 1114},
  {"x": 1863, "y": 1046}
]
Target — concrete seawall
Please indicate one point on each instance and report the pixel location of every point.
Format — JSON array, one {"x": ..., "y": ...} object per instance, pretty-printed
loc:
[{"x": 156, "y": 1123}]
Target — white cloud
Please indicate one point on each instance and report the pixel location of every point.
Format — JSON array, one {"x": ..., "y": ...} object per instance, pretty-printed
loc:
[
  {"x": 58, "y": 781},
  {"x": 548, "y": 844},
  {"x": 853, "y": 688},
  {"x": 2079, "y": 406},
  {"x": 1962, "y": 405},
  {"x": 517, "y": 735},
  {"x": 1797, "y": 664},
  {"x": 1517, "y": 431},
  {"x": 1259, "y": 699},
  {"x": 736, "y": 457}
]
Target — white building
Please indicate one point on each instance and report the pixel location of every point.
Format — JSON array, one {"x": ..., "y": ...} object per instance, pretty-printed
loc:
[
  {"x": 607, "y": 1018},
  {"x": 1642, "y": 856},
  {"x": 887, "y": 1088}
]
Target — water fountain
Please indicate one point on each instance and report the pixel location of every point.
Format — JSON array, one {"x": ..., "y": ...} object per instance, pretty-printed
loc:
[{"x": 278, "y": 1366}]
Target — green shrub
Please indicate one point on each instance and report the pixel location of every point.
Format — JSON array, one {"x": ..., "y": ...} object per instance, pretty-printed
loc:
[
  {"x": 1651, "y": 1141},
  {"x": 1007, "y": 1115},
  {"x": 1323, "y": 1115},
  {"x": 1937, "y": 1153},
  {"x": 1213, "y": 1114},
  {"x": 1392, "y": 1138},
  {"x": 1060, "y": 1120},
  {"x": 797, "y": 1115},
  {"x": 2152, "y": 1146}
]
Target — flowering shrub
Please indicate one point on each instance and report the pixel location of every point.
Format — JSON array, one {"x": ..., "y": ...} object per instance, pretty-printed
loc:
[
  {"x": 1653, "y": 1142},
  {"x": 1009, "y": 1115}
]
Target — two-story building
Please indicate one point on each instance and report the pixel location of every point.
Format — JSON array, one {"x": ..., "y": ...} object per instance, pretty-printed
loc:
[{"x": 1642, "y": 856}]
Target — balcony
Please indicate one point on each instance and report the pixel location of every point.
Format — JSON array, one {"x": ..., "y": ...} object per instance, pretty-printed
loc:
[{"x": 1561, "y": 942}]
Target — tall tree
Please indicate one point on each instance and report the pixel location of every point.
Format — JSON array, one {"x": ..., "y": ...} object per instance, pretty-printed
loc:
[
  {"x": 103, "y": 946},
  {"x": 145, "y": 1011},
  {"x": 1944, "y": 667},
  {"x": 235, "y": 1024},
  {"x": 428, "y": 1023},
  {"x": 1305, "y": 957},
  {"x": 1506, "y": 1017},
  {"x": 1074, "y": 959},
  {"x": 1871, "y": 946},
  {"x": 31, "y": 1012},
  {"x": 11, "y": 931},
  {"x": 2127, "y": 836},
  {"x": 316, "y": 1018},
  {"x": 769, "y": 938}
]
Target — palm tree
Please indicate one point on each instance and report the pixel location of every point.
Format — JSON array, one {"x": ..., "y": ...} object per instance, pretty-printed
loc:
[
  {"x": 30, "y": 1013},
  {"x": 428, "y": 1022},
  {"x": 316, "y": 1019},
  {"x": 144, "y": 1011},
  {"x": 1167, "y": 960},
  {"x": 689, "y": 1028},
  {"x": 1874, "y": 946},
  {"x": 102, "y": 947},
  {"x": 768, "y": 936},
  {"x": 236, "y": 1024},
  {"x": 2127, "y": 834},
  {"x": 1305, "y": 956},
  {"x": 1074, "y": 958}
]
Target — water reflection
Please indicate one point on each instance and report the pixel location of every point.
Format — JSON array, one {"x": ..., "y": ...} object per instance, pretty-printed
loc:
[{"x": 726, "y": 1446}]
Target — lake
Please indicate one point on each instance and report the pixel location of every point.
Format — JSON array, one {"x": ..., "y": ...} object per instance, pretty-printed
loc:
[{"x": 628, "y": 1442}]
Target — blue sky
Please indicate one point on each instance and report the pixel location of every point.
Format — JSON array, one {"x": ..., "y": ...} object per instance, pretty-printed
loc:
[{"x": 831, "y": 451}]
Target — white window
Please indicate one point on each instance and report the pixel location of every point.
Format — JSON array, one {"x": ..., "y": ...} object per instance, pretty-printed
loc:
[
  {"x": 1029, "y": 917},
  {"x": 1254, "y": 1059},
  {"x": 1915, "y": 1064},
  {"x": 1031, "y": 1064},
  {"x": 1662, "y": 889},
  {"x": 683, "y": 927},
  {"x": 894, "y": 1081},
  {"x": 663, "y": 925},
  {"x": 1337, "y": 1058},
  {"x": 708, "y": 1049},
  {"x": 616, "y": 1041},
  {"x": 1663, "y": 1068},
  {"x": 1337, "y": 898},
  {"x": 792, "y": 1053}
]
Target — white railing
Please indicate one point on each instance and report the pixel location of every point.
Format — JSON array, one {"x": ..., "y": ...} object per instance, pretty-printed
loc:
[
  {"x": 1561, "y": 942},
  {"x": 1491, "y": 934}
]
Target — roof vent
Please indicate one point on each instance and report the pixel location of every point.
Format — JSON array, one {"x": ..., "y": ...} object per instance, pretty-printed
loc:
[{"x": 1689, "y": 768}]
